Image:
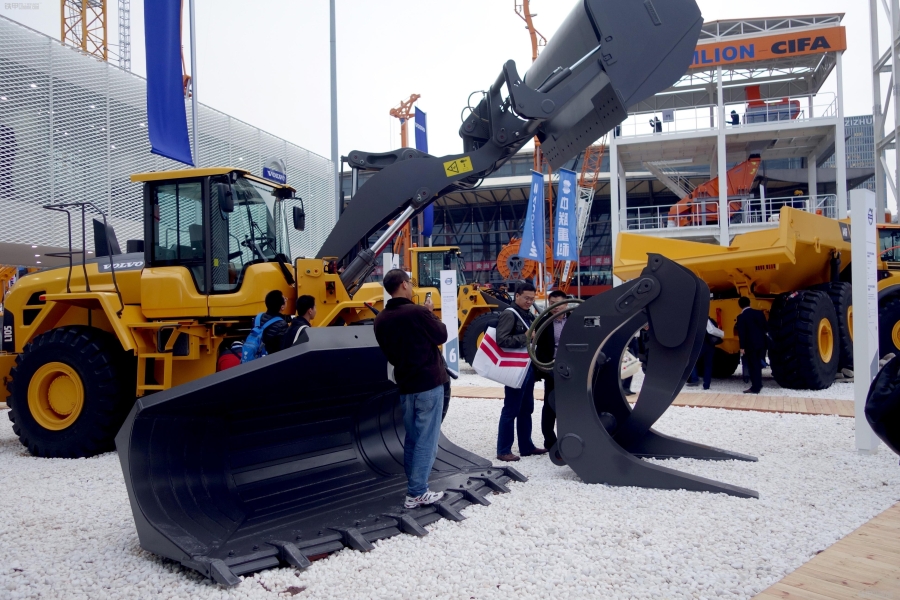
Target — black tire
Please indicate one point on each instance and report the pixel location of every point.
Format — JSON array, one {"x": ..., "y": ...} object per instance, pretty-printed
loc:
[
  {"x": 888, "y": 319},
  {"x": 794, "y": 323},
  {"x": 724, "y": 364},
  {"x": 841, "y": 294},
  {"x": 474, "y": 331},
  {"x": 107, "y": 385}
]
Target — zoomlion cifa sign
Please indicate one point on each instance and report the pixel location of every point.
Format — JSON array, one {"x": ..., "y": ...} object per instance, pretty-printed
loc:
[{"x": 768, "y": 47}]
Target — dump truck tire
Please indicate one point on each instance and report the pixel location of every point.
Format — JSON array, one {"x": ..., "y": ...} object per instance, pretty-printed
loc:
[
  {"x": 805, "y": 352},
  {"x": 841, "y": 294},
  {"x": 724, "y": 364},
  {"x": 70, "y": 391},
  {"x": 889, "y": 327},
  {"x": 474, "y": 332}
]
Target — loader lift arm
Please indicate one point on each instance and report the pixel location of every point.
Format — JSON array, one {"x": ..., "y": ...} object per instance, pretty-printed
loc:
[{"x": 597, "y": 65}]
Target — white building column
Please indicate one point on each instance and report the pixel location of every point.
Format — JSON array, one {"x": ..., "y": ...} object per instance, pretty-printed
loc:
[
  {"x": 722, "y": 165},
  {"x": 812, "y": 181},
  {"x": 614, "y": 201},
  {"x": 840, "y": 150}
]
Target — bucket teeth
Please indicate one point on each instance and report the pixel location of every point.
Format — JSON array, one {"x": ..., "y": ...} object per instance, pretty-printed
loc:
[
  {"x": 446, "y": 510},
  {"x": 492, "y": 483},
  {"x": 352, "y": 538},
  {"x": 219, "y": 572},
  {"x": 407, "y": 524},
  {"x": 291, "y": 554}
]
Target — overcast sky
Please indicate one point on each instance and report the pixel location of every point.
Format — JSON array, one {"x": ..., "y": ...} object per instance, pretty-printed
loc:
[{"x": 267, "y": 61}]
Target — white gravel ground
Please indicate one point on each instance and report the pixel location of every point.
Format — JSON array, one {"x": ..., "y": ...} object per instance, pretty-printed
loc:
[
  {"x": 839, "y": 390},
  {"x": 66, "y": 528}
]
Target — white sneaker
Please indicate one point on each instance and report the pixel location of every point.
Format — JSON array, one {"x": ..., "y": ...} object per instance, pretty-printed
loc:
[{"x": 423, "y": 500}]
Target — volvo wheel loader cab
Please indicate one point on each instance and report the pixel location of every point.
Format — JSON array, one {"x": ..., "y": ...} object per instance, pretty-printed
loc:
[
  {"x": 228, "y": 486},
  {"x": 798, "y": 273},
  {"x": 82, "y": 342}
]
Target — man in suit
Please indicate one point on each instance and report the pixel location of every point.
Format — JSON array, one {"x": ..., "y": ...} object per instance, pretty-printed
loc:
[
  {"x": 751, "y": 331},
  {"x": 545, "y": 351}
]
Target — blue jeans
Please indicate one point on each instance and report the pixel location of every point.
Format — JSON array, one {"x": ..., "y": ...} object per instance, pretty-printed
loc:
[
  {"x": 518, "y": 404},
  {"x": 422, "y": 421}
]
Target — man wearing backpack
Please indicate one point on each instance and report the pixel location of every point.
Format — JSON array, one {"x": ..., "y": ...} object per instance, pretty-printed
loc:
[
  {"x": 268, "y": 329},
  {"x": 306, "y": 312},
  {"x": 409, "y": 336},
  {"x": 518, "y": 404}
]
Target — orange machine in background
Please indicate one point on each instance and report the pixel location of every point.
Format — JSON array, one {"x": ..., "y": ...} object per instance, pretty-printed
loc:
[
  {"x": 702, "y": 206},
  {"x": 761, "y": 111}
]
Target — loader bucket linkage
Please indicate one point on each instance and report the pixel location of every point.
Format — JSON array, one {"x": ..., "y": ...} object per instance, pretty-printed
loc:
[{"x": 283, "y": 459}]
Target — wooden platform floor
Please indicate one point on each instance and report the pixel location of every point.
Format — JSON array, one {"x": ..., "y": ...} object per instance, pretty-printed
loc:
[
  {"x": 782, "y": 404},
  {"x": 865, "y": 565}
]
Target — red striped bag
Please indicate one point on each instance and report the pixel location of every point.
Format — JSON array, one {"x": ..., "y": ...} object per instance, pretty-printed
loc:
[{"x": 508, "y": 366}]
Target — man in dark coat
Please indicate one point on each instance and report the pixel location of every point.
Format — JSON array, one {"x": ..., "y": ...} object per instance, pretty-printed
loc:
[
  {"x": 306, "y": 313},
  {"x": 409, "y": 336},
  {"x": 518, "y": 404},
  {"x": 545, "y": 351},
  {"x": 751, "y": 329}
]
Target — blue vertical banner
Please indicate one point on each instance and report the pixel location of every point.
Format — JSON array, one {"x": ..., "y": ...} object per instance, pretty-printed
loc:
[
  {"x": 565, "y": 240},
  {"x": 166, "y": 115},
  {"x": 532, "y": 247},
  {"x": 421, "y": 125}
]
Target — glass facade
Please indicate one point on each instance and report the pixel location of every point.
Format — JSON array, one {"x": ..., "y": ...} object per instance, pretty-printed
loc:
[{"x": 860, "y": 146}]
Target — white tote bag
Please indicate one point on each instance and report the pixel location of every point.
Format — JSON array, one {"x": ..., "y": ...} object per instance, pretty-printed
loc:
[{"x": 508, "y": 366}]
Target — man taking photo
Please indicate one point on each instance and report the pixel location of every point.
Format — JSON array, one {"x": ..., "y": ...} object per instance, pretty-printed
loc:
[{"x": 409, "y": 336}]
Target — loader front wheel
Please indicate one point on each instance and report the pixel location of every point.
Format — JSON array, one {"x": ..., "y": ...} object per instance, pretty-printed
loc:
[
  {"x": 841, "y": 294},
  {"x": 804, "y": 352},
  {"x": 724, "y": 364},
  {"x": 475, "y": 333},
  {"x": 70, "y": 391},
  {"x": 889, "y": 327}
]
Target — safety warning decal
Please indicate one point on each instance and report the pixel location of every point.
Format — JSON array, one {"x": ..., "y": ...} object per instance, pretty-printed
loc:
[{"x": 455, "y": 167}]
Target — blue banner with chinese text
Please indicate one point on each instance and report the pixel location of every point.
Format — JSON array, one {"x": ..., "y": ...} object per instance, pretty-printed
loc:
[
  {"x": 565, "y": 240},
  {"x": 532, "y": 247}
]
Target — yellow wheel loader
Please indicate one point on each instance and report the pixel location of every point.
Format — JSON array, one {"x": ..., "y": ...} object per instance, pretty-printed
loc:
[
  {"x": 300, "y": 453},
  {"x": 798, "y": 273}
]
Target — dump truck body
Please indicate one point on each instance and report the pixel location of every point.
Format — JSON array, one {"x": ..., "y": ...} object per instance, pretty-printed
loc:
[{"x": 804, "y": 253}]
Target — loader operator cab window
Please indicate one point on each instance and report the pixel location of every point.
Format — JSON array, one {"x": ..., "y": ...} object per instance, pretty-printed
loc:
[
  {"x": 177, "y": 228},
  {"x": 432, "y": 263},
  {"x": 889, "y": 245},
  {"x": 246, "y": 236}
]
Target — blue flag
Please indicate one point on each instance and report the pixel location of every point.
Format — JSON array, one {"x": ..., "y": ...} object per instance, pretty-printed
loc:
[
  {"x": 565, "y": 242},
  {"x": 166, "y": 115},
  {"x": 532, "y": 247},
  {"x": 422, "y": 144}
]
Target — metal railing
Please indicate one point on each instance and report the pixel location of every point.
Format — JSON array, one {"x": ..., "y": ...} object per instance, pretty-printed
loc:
[
  {"x": 743, "y": 211},
  {"x": 736, "y": 115}
]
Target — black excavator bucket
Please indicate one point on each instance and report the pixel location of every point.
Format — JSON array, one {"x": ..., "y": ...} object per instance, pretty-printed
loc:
[
  {"x": 600, "y": 436},
  {"x": 284, "y": 459}
]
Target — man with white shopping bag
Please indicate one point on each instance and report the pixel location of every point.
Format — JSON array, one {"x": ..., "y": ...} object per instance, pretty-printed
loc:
[
  {"x": 409, "y": 336},
  {"x": 518, "y": 403}
]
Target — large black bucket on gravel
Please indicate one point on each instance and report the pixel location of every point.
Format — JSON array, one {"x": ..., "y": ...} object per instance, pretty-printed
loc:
[{"x": 288, "y": 457}]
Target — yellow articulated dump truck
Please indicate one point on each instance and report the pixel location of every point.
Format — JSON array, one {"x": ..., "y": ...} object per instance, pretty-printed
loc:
[{"x": 799, "y": 275}]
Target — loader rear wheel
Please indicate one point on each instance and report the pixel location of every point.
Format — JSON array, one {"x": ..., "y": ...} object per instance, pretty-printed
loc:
[
  {"x": 724, "y": 364},
  {"x": 804, "y": 352},
  {"x": 841, "y": 294},
  {"x": 889, "y": 327},
  {"x": 475, "y": 333},
  {"x": 70, "y": 391}
]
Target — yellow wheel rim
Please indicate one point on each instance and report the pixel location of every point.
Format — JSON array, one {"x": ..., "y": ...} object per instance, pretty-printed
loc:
[
  {"x": 55, "y": 396},
  {"x": 895, "y": 334},
  {"x": 826, "y": 340},
  {"x": 481, "y": 337},
  {"x": 850, "y": 322}
]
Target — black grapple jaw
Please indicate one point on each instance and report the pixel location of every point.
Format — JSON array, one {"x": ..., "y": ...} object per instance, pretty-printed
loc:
[
  {"x": 284, "y": 459},
  {"x": 601, "y": 437}
]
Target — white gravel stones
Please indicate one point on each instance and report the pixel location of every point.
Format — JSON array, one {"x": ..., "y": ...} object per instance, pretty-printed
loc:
[{"x": 66, "y": 528}]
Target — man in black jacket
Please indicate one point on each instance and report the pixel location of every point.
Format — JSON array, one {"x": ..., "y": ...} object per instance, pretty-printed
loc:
[
  {"x": 409, "y": 336},
  {"x": 751, "y": 331},
  {"x": 545, "y": 351},
  {"x": 306, "y": 313},
  {"x": 518, "y": 404},
  {"x": 272, "y": 335}
]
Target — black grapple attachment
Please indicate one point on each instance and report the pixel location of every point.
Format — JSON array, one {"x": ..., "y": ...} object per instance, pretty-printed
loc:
[
  {"x": 284, "y": 459},
  {"x": 601, "y": 437}
]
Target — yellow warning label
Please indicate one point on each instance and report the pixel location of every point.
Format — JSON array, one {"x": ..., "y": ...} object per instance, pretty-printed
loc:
[{"x": 455, "y": 167}]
